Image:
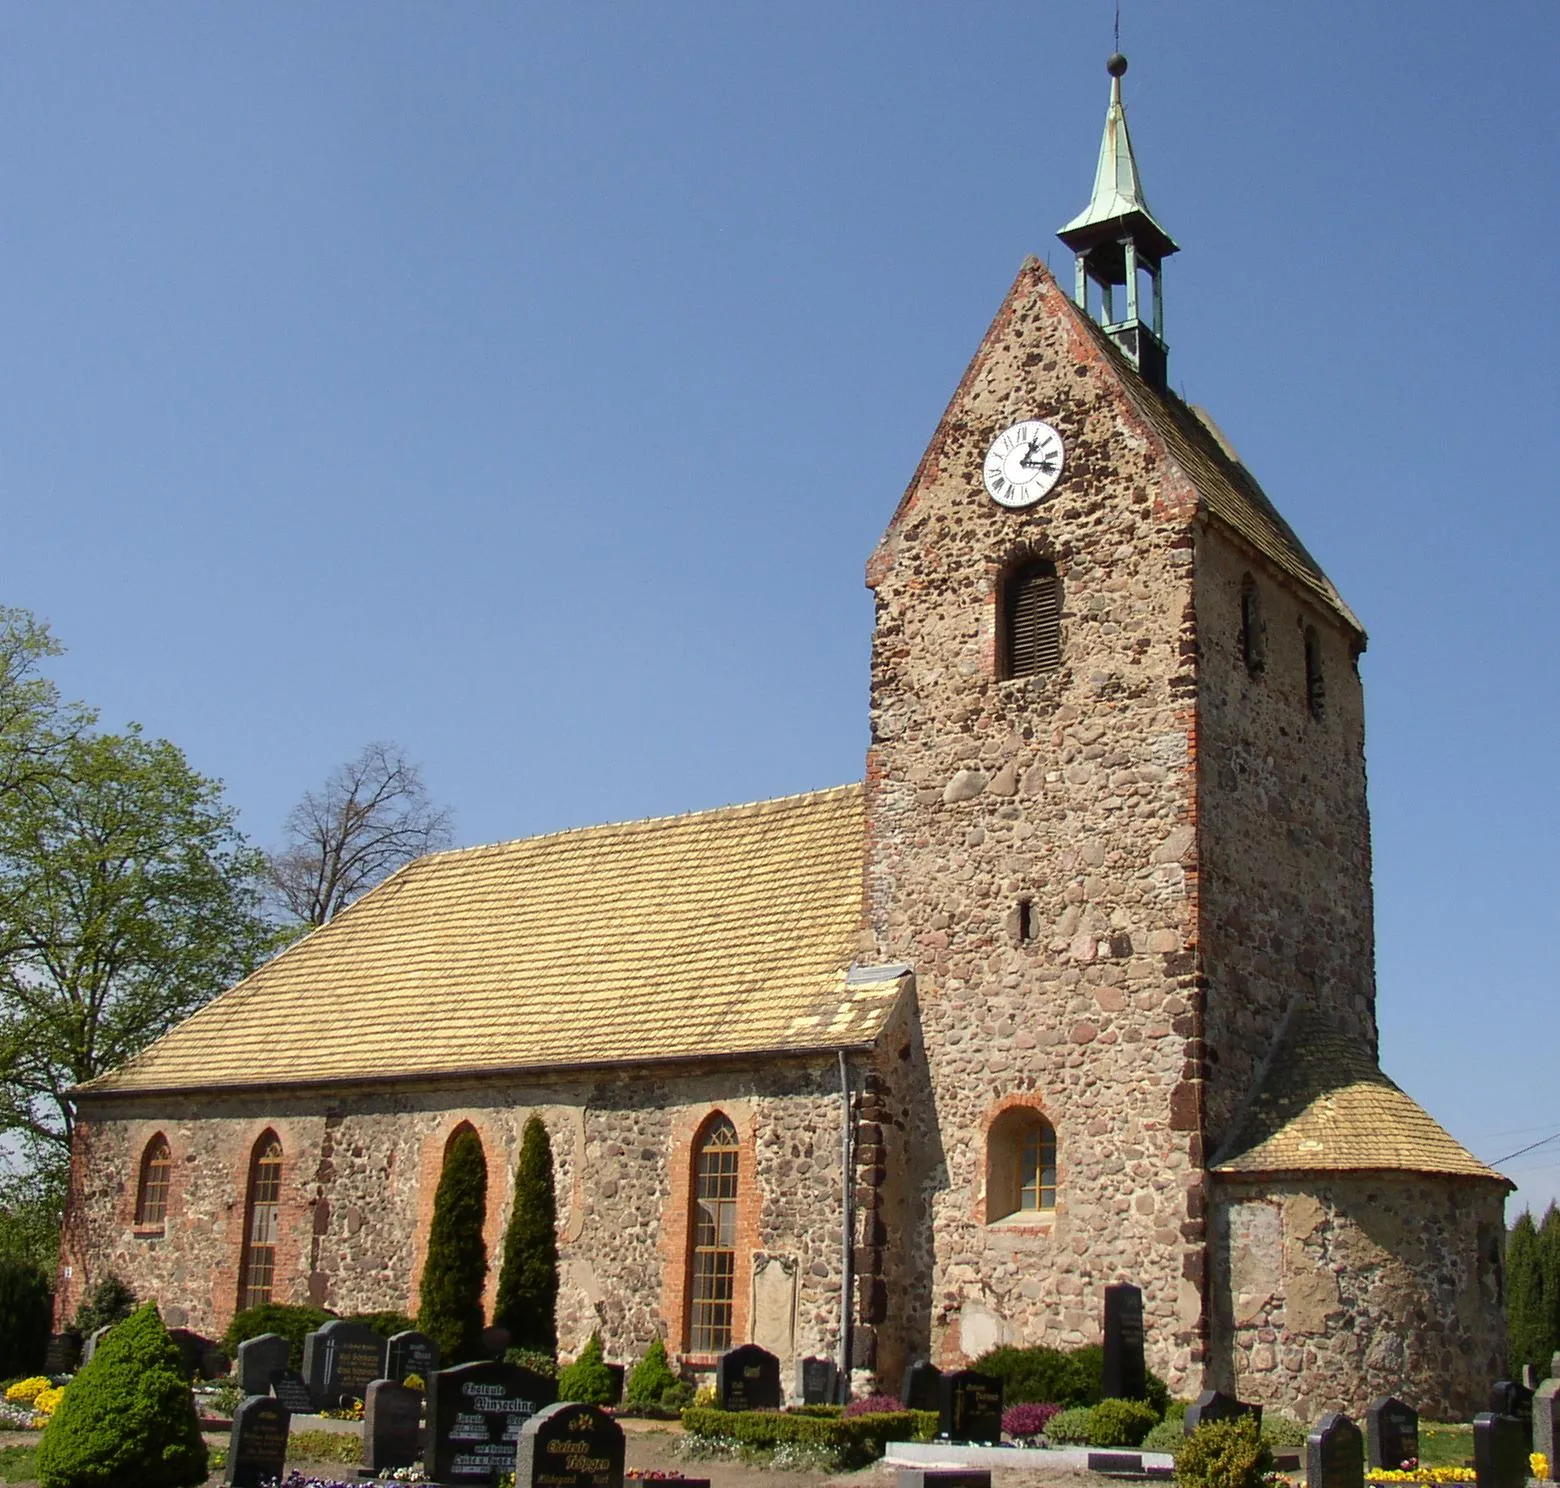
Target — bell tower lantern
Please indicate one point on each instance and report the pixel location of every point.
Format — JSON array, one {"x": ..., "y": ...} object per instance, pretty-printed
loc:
[{"x": 1117, "y": 244}]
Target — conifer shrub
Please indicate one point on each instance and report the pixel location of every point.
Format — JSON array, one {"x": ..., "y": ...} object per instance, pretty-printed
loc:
[
  {"x": 527, "y": 1300},
  {"x": 450, "y": 1296},
  {"x": 534, "y": 1360},
  {"x": 109, "y": 1302},
  {"x": 26, "y": 1310},
  {"x": 650, "y": 1378},
  {"x": 128, "y": 1416},
  {"x": 291, "y": 1321},
  {"x": 587, "y": 1379},
  {"x": 1224, "y": 1454},
  {"x": 1121, "y": 1423}
]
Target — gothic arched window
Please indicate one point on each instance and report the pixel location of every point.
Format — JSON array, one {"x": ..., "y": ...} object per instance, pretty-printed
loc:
[
  {"x": 713, "y": 1262},
  {"x": 1031, "y": 620},
  {"x": 262, "y": 1222},
  {"x": 151, "y": 1194},
  {"x": 1020, "y": 1165}
]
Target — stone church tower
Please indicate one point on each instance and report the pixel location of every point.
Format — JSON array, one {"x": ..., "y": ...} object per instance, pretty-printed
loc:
[{"x": 1117, "y": 822}]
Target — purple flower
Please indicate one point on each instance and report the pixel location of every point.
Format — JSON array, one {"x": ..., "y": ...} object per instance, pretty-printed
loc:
[{"x": 1024, "y": 1421}]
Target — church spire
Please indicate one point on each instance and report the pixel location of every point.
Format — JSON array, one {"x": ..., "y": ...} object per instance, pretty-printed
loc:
[{"x": 1115, "y": 238}]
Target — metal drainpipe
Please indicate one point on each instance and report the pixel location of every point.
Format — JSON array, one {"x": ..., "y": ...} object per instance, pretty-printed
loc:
[{"x": 847, "y": 1268}]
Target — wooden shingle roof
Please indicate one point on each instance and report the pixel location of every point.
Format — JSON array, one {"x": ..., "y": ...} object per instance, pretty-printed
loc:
[
  {"x": 1325, "y": 1106},
  {"x": 714, "y": 934}
]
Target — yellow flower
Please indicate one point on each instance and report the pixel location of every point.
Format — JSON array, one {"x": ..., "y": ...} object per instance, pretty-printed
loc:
[
  {"x": 46, "y": 1401},
  {"x": 1538, "y": 1466},
  {"x": 24, "y": 1392}
]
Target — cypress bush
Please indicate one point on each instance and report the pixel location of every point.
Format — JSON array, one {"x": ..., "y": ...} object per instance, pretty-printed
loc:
[
  {"x": 527, "y": 1298},
  {"x": 109, "y": 1302},
  {"x": 127, "y": 1418},
  {"x": 26, "y": 1311},
  {"x": 1549, "y": 1284},
  {"x": 650, "y": 1378},
  {"x": 587, "y": 1378},
  {"x": 1529, "y": 1335},
  {"x": 450, "y": 1297}
]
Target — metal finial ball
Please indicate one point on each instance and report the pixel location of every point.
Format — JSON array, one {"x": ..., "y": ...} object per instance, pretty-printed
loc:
[{"x": 1116, "y": 65}]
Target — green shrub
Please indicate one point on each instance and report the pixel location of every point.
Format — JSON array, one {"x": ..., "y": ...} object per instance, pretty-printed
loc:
[
  {"x": 650, "y": 1378},
  {"x": 386, "y": 1324},
  {"x": 109, "y": 1302},
  {"x": 587, "y": 1379},
  {"x": 926, "y": 1424},
  {"x": 1167, "y": 1436},
  {"x": 1121, "y": 1423},
  {"x": 128, "y": 1416},
  {"x": 677, "y": 1396},
  {"x": 1282, "y": 1431},
  {"x": 325, "y": 1446},
  {"x": 1070, "y": 1427},
  {"x": 534, "y": 1360},
  {"x": 26, "y": 1310},
  {"x": 1224, "y": 1454},
  {"x": 1040, "y": 1375},
  {"x": 275, "y": 1317},
  {"x": 450, "y": 1298},
  {"x": 849, "y": 1441},
  {"x": 527, "y": 1300}
]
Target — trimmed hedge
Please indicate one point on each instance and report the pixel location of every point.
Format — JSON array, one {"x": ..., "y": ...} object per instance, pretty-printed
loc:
[
  {"x": 853, "y": 1441},
  {"x": 292, "y": 1322},
  {"x": 1046, "y": 1375},
  {"x": 1121, "y": 1423}
]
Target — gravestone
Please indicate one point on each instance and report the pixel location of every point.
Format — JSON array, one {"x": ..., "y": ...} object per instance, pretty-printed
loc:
[
  {"x": 293, "y": 1391},
  {"x": 258, "y": 1446},
  {"x": 475, "y": 1412},
  {"x": 616, "y": 1373},
  {"x": 340, "y": 1361},
  {"x": 817, "y": 1381},
  {"x": 1214, "y": 1405},
  {"x": 921, "y": 1388},
  {"x": 411, "y": 1353},
  {"x": 1126, "y": 1371},
  {"x": 93, "y": 1340},
  {"x": 1546, "y": 1423},
  {"x": 1554, "y": 1366},
  {"x": 63, "y": 1353},
  {"x": 942, "y": 1477},
  {"x": 392, "y": 1426},
  {"x": 1335, "y": 1453},
  {"x": 569, "y": 1446},
  {"x": 214, "y": 1364},
  {"x": 1500, "y": 1451},
  {"x": 260, "y": 1360},
  {"x": 1529, "y": 1378},
  {"x": 192, "y": 1349},
  {"x": 1512, "y": 1398},
  {"x": 1391, "y": 1433},
  {"x": 970, "y": 1408},
  {"x": 748, "y": 1378}
]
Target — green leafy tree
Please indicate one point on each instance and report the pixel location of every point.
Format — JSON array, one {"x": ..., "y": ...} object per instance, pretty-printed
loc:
[
  {"x": 34, "y": 723},
  {"x": 527, "y": 1301},
  {"x": 129, "y": 899},
  {"x": 1528, "y": 1337},
  {"x": 450, "y": 1297},
  {"x": 588, "y": 1379},
  {"x": 26, "y": 1309},
  {"x": 127, "y": 1417}
]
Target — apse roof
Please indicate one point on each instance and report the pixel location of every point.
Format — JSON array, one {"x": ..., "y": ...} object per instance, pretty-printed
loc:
[{"x": 719, "y": 933}]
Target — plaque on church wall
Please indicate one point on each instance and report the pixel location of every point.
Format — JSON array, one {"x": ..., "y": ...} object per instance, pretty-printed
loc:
[
  {"x": 1335, "y": 1453},
  {"x": 1126, "y": 1372},
  {"x": 1391, "y": 1433},
  {"x": 970, "y": 1408},
  {"x": 569, "y": 1445},
  {"x": 748, "y": 1378},
  {"x": 340, "y": 1361},
  {"x": 475, "y": 1412},
  {"x": 257, "y": 1448}
]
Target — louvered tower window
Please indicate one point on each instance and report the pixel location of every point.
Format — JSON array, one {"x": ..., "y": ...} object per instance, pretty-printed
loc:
[
  {"x": 714, "y": 1260},
  {"x": 151, "y": 1200},
  {"x": 1032, "y": 620},
  {"x": 262, "y": 1222}
]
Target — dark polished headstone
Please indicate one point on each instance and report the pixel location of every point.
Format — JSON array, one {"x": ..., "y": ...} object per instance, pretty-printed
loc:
[
  {"x": 1214, "y": 1405},
  {"x": 1546, "y": 1423},
  {"x": 341, "y": 1360},
  {"x": 942, "y": 1477},
  {"x": 1511, "y": 1398},
  {"x": 411, "y": 1353},
  {"x": 1335, "y": 1453},
  {"x": 617, "y": 1373},
  {"x": 215, "y": 1365},
  {"x": 1529, "y": 1377},
  {"x": 260, "y": 1360},
  {"x": 970, "y": 1408},
  {"x": 921, "y": 1387},
  {"x": 192, "y": 1349},
  {"x": 475, "y": 1412},
  {"x": 1126, "y": 1371},
  {"x": 63, "y": 1353},
  {"x": 293, "y": 1391},
  {"x": 569, "y": 1446},
  {"x": 817, "y": 1381},
  {"x": 1391, "y": 1433},
  {"x": 748, "y": 1378},
  {"x": 257, "y": 1448},
  {"x": 392, "y": 1426},
  {"x": 1500, "y": 1451}
]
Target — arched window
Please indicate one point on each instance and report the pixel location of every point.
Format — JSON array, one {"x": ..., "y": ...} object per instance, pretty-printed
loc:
[
  {"x": 1020, "y": 1165},
  {"x": 713, "y": 1264},
  {"x": 262, "y": 1216},
  {"x": 1253, "y": 640},
  {"x": 1031, "y": 609},
  {"x": 1315, "y": 687},
  {"x": 151, "y": 1195}
]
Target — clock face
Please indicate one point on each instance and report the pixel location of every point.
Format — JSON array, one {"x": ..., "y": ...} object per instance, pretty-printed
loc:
[{"x": 1023, "y": 464}]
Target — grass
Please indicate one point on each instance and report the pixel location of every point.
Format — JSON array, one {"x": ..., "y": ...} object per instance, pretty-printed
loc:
[
  {"x": 18, "y": 1464},
  {"x": 325, "y": 1446},
  {"x": 1445, "y": 1446}
]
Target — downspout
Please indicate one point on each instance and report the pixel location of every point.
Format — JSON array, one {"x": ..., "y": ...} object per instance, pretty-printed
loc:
[{"x": 848, "y": 1230}]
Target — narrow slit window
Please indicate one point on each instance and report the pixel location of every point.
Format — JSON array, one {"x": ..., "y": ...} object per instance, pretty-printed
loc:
[
  {"x": 1032, "y": 620},
  {"x": 262, "y": 1223},
  {"x": 1315, "y": 686},
  {"x": 714, "y": 1260},
  {"x": 1253, "y": 645},
  {"x": 1026, "y": 920},
  {"x": 151, "y": 1203}
]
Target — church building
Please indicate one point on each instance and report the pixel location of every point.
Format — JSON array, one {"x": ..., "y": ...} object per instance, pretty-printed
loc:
[{"x": 1076, "y": 987}]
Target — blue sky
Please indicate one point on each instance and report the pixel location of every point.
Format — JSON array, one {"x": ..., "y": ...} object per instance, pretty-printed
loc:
[{"x": 529, "y": 384}]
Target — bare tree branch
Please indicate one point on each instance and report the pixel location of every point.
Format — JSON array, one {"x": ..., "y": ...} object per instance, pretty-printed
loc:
[{"x": 372, "y": 816}]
